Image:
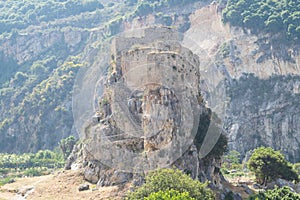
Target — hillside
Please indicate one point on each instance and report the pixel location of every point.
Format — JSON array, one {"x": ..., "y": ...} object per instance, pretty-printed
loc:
[
  {"x": 280, "y": 18},
  {"x": 40, "y": 59},
  {"x": 146, "y": 85},
  {"x": 44, "y": 44}
]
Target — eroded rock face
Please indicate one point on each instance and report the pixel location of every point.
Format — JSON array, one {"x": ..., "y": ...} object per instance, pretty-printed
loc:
[
  {"x": 262, "y": 78},
  {"x": 149, "y": 113},
  {"x": 28, "y": 46},
  {"x": 265, "y": 112}
]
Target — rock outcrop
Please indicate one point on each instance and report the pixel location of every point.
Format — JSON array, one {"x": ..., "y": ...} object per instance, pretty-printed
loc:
[{"x": 149, "y": 113}]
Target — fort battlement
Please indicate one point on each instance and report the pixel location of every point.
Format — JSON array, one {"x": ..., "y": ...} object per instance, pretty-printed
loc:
[
  {"x": 158, "y": 59},
  {"x": 141, "y": 36}
]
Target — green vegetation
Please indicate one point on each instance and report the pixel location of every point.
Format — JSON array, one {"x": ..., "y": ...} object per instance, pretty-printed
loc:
[
  {"x": 232, "y": 167},
  {"x": 66, "y": 145},
  {"x": 268, "y": 165},
  {"x": 33, "y": 164},
  {"x": 231, "y": 162},
  {"x": 36, "y": 94},
  {"x": 28, "y": 164},
  {"x": 20, "y": 14},
  {"x": 145, "y": 7},
  {"x": 169, "y": 195},
  {"x": 36, "y": 171},
  {"x": 206, "y": 127},
  {"x": 284, "y": 193},
  {"x": 220, "y": 147},
  {"x": 164, "y": 182},
  {"x": 36, "y": 81},
  {"x": 233, "y": 158},
  {"x": 224, "y": 50},
  {"x": 5, "y": 180},
  {"x": 43, "y": 158},
  {"x": 296, "y": 167},
  {"x": 271, "y": 16}
]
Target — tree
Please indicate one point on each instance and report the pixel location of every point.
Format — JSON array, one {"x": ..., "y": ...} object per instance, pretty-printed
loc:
[
  {"x": 274, "y": 23},
  {"x": 268, "y": 165},
  {"x": 162, "y": 182},
  {"x": 67, "y": 145},
  {"x": 220, "y": 147},
  {"x": 265, "y": 16},
  {"x": 233, "y": 157},
  {"x": 143, "y": 8},
  {"x": 232, "y": 160},
  {"x": 20, "y": 78},
  {"x": 284, "y": 193},
  {"x": 44, "y": 154},
  {"x": 91, "y": 5},
  {"x": 209, "y": 124}
]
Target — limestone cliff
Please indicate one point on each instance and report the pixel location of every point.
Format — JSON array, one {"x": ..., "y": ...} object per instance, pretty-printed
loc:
[
  {"x": 265, "y": 112},
  {"x": 261, "y": 76}
]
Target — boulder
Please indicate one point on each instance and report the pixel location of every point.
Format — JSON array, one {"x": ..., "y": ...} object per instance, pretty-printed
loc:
[
  {"x": 247, "y": 189},
  {"x": 92, "y": 170},
  {"x": 83, "y": 187}
]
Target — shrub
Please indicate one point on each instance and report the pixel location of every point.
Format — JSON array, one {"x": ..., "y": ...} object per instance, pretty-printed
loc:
[
  {"x": 284, "y": 193},
  {"x": 229, "y": 196},
  {"x": 165, "y": 180},
  {"x": 169, "y": 195},
  {"x": 296, "y": 167},
  {"x": 33, "y": 172}
]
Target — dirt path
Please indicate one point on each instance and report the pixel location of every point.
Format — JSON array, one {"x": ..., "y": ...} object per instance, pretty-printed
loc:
[
  {"x": 21, "y": 188},
  {"x": 61, "y": 185}
]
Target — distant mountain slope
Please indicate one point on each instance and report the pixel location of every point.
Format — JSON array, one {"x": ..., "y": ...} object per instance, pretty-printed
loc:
[
  {"x": 43, "y": 44},
  {"x": 269, "y": 16},
  {"x": 21, "y": 14}
]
